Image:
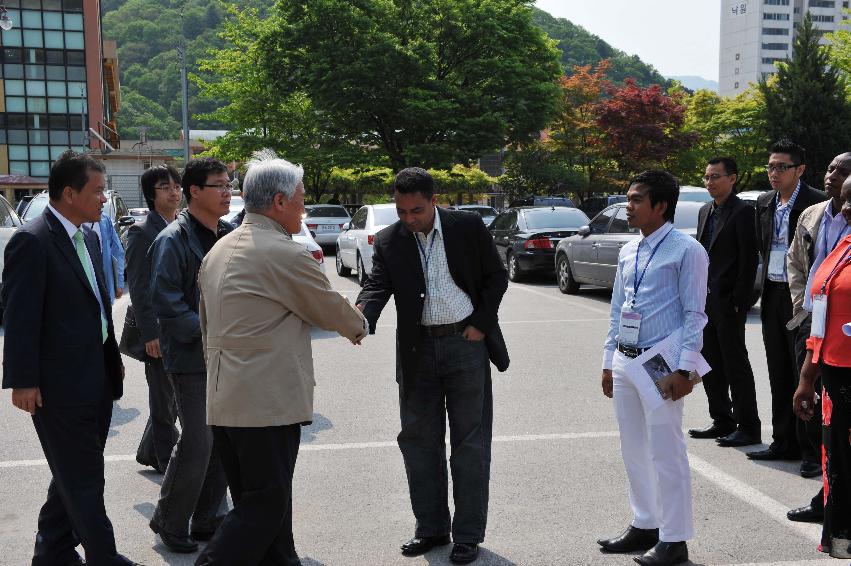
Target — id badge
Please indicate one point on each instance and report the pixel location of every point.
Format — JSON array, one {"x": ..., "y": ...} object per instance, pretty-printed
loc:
[
  {"x": 819, "y": 316},
  {"x": 629, "y": 328},
  {"x": 777, "y": 260}
]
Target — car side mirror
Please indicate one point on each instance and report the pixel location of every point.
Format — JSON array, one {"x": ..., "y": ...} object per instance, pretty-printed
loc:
[
  {"x": 584, "y": 231},
  {"x": 126, "y": 221}
]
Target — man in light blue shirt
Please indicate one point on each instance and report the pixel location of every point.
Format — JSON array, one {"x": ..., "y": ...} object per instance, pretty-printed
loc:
[{"x": 660, "y": 286}]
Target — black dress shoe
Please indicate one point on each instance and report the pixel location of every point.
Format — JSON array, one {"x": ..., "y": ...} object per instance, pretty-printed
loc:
[
  {"x": 463, "y": 553},
  {"x": 739, "y": 438},
  {"x": 773, "y": 453},
  {"x": 207, "y": 534},
  {"x": 664, "y": 554},
  {"x": 711, "y": 431},
  {"x": 806, "y": 514},
  {"x": 183, "y": 544},
  {"x": 630, "y": 540},
  {"x": 810, "y": 469},
  {"x": 421, "y": 545}
]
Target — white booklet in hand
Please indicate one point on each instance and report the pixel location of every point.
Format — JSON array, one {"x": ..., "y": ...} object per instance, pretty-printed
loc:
[{"x": 646, "y": 370}]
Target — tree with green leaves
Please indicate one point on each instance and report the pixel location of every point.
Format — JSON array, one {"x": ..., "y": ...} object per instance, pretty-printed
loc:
[
  {"x": 808, "y": 102},
  {"x": 137, "y": 111},
  {"x": 840, "y": 43},
  {"x": 431, "y": 83}
]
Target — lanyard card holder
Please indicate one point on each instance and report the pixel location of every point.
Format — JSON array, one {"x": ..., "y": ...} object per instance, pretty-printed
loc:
[
  {"x": 630, "y": 326},
  {"x": 819, "y": 320},
  {"x": 777, "y": 260}
]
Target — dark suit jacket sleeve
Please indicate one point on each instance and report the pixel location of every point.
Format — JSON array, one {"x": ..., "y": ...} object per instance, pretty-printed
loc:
[
  {"x": 494, "y": 281},
  {"x": 176, "y": 319},
  {"x": 24, "y": 284},
  {"x": 746, "y": 238},
  {"x": 377, "y": 289},
  {"x": 139, "y": 280}
]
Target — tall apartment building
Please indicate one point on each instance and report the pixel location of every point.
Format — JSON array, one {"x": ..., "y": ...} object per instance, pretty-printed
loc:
[
  {"x": 757, "y": 33},
  {"x": 58, "y": 78}
]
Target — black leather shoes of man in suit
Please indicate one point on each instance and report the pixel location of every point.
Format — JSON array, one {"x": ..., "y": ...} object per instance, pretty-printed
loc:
[
  {"x": 207, "y": 534},
  {"x": 810, "y": 469},
  {"x": 183, "y": 544},
  {"x": 421, "y": 545},
  {"x": 664, "y": 554},
  {"x": 711, "y": 431},
  {"x": 630, "y": 540},
  {"x": 739, "y": 438},
  {"x": 463, "y": 553},
  {"x": 773, "y": 452},
  {"x": 806, "y": 514}
]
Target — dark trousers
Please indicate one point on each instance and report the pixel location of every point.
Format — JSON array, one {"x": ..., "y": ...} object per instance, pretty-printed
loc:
[
  {"x": 454, "y": 378},
  {"x": 194, "y": 485},
  {"x": 73, "y": 439},
  {"x": 160, "y": 434},
  {"x": 837, "y": 443},
  {"x": 775, "y": 312},
  {"x": 259, "y": 465},
  {"x": 725, "y": 350},
  {"x": 808, "y": 432}
]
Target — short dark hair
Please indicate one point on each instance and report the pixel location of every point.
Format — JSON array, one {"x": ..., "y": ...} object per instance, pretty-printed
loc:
[
  {"x": 661, "y": 187},
  {"x": 729, "y": 164},
  {"x": 414, "y": 180},
  {"x": 154, "y": 175},
  {"x": 71, "y": 170},
  {"x": 785, "y": 145},
  {"x": 197, "y": 171}
]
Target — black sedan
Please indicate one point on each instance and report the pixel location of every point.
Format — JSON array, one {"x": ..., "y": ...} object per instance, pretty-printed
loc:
[{"x": 526, "y": 237}]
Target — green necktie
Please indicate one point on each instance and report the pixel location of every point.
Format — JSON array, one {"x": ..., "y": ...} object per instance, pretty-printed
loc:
[{"x": 87, "y": 267}]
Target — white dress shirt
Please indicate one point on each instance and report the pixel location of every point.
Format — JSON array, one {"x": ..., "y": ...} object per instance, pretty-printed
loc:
[{"x": 672, "y": 293}]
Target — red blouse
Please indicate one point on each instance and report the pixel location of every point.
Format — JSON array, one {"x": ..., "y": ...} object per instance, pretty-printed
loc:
[{"x": 835, "y": 348}]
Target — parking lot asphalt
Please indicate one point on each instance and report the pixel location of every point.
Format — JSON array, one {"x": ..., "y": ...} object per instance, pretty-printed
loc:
[{"x": 557, "y": 483}]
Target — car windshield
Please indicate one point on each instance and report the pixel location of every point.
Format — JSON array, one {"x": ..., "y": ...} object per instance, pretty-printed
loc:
[
  {"x": 482, "y": 210},
  {"x": 685, "y": 218},
  {"x": 565, "y": 218},
  {"x": 36, "y": 207},
  {"x": 385, "y": 216},
  {"x": 326, "y": 212}
]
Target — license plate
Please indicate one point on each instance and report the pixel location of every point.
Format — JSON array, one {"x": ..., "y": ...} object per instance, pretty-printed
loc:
[{"x": 328, "y": 228}]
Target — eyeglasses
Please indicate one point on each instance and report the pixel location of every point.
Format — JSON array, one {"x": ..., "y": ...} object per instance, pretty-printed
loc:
[
  {"x": 715, "y": 177},
  {"x": 220, "y": 188},
  {"x": 780, "y": 167},
  {"x": 168, "y": 188}
]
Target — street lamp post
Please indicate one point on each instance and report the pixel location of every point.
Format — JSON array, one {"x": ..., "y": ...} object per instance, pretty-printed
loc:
[{"x": 184, "y": 88}]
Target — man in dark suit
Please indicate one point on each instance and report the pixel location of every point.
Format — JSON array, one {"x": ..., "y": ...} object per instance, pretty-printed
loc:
[
  {"x": 777, "y": 216},
  {"x": 161, "y": 189},
  {"x": 448, "y": 281},
  {"x": 727, "y": 231},
  {"x": 61, "y": 360}
]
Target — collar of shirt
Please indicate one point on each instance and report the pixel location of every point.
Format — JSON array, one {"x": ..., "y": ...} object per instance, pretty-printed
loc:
[
  {"x": 435, "y": 229},
  {"x": 782, "y": 206},
  {"x": 67, "y": 224},
  {"x": 653, "y": 239}
]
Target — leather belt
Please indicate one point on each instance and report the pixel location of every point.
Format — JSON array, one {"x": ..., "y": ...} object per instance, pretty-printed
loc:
[
  {"x": 630, "y": 351},
  {"x": 439, "y": 330}
]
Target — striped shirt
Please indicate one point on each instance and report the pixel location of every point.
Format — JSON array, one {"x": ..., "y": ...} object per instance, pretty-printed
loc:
[
  {"x": 445, "y": 302},
  {"x": 672, "y": 293},
  {"x": 780, "y": 230}
]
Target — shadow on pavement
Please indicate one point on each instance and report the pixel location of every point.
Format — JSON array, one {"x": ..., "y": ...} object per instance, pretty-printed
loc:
[
  {"x": 320, "y": 423},
  {"x": 121, "y": 416},
  {"x": 311, "y": 562},
  {"x": 152, "y": 475}
]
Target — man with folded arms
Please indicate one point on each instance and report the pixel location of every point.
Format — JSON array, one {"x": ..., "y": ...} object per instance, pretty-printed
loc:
[
  {"x": 260, "y": 294},
  {"x": 660, "y": 286}
]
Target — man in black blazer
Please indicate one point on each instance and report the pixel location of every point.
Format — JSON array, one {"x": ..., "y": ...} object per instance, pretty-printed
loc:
[
  {"x": 777, "y": 216},
  {"x": 162, "y": 192},
  {"x": 727, "y": 230},
  {"x": 448, "y": 281},
  {"x": 61, "y": 360}
]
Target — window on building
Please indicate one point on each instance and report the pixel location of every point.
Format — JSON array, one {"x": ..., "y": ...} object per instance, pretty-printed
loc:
[
  {"x": 737, "y": 56},
  {"x": 775, "y": 31},
  {"x": 822, "y": 18},
  {"x": 736, "y": 71},
  {"x": 771, "y": 60},
  {"x": 776, "y": 2},
  {"x": 776, "y": 46},
  {"x": 736, "y": 84},
  {"x": 822, "y": 4},
  {"x": 775, "y": 16}
]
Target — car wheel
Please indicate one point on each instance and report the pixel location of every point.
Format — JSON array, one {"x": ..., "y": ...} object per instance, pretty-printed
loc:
[
  {"x": 566, "y": 283},
  {"x": 342, "y": 270},
  {"x": 362, "y": 276},
  {"x": 514, "y": 273}
]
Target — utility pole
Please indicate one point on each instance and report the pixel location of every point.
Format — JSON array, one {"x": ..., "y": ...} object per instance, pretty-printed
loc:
[{"x": 184, "y": 88}]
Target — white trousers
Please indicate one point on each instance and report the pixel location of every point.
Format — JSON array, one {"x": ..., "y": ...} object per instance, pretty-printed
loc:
[{"x": 654, "y": 453}]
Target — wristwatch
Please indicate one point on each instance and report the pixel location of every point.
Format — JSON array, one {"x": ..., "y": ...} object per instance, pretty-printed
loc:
[{"x": 684, "y": 373}]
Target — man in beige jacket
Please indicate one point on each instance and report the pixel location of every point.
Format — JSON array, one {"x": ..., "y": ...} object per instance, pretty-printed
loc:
[{"x": 260, "y": 294}]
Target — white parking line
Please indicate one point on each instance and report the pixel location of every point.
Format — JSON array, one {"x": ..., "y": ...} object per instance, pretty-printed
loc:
[
  {"x": 818, "y": 562},
  {"x": 561, "y": 299}
]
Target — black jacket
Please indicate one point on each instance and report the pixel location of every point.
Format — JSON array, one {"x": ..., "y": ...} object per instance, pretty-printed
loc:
[
  {"x": 175, "y": 257},
  {"x": 397, "y": 270},
  {"x": 52, "y": 318},
  {"x": 765, "y": 207},
  {"x": 733, "y": 251},
  {"x": 139, "y": 239}
]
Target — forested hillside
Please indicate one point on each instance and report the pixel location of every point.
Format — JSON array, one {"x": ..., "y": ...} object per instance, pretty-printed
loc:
[{"x": 148, "y": 33}]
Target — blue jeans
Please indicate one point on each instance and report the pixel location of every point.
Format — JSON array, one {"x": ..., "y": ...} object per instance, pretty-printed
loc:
[{"x": 454, "y": 378}]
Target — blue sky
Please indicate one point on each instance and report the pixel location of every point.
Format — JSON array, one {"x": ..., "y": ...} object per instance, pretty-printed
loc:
[{"x": 678, "y": 37}]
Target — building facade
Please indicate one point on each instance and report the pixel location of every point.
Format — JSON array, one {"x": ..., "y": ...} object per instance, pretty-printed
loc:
[
  {"x": 59, "y": 82},
  {"x": 755, "y": 34}
]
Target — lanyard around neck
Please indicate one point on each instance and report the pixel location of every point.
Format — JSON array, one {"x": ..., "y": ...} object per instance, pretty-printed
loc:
[
  {"x": 779, "y": 227},
  {"x": 426, "y": 257},
  {"x": 839, "y": 264},
  {"x": 636, "y": 280}
]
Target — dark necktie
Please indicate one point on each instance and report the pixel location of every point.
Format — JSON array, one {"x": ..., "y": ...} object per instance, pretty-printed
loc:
[{"x": 709, "y": 229}]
